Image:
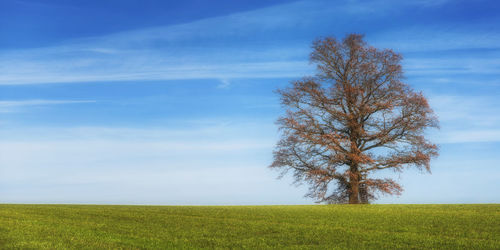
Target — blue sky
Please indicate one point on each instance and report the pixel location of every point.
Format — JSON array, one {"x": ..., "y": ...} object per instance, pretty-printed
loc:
[{"x": 172, "y": 102}]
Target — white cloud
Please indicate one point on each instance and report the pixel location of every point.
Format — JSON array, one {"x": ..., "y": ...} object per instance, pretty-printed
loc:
[
  {"x": 35, "y": 102},
  {"x": 466, "y": 118},
  {"x": 440, "y": 37},
  {"x": 220, "y": 164},
  {"x": 466, "y": 65},
  {"x": 200, "y": 49},
  {"x": 430, "y": 3},
  {"x": 224, "y": 83},
  {"x": 461, "y": 110},
  {"x": 185, "y": 51},
  {"x": 13, "y": 106},
  {"x": 470, "y": 135}
]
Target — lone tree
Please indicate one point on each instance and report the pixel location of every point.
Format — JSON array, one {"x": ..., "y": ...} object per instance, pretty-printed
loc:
[{"x": 353, "y": 118}]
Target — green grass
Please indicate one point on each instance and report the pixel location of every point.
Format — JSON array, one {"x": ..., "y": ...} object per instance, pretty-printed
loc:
[{"x": 256, "y": 227}]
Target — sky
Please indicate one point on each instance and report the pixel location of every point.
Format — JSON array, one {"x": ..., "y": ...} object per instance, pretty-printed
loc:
[{"x": 173, "y": 102}]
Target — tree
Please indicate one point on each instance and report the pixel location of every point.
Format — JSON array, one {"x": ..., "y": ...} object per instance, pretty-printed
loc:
[{"x": 353, "y": 118}]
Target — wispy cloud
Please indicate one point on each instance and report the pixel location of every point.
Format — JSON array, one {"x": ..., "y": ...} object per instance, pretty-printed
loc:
[
  {"x": 199, "y": 49},
  {"x": 466, "y": 118},
  {"x": 430, "y": 3},
  {"x": 217, "y": 164},
  {"x": 470, "y": 135},
  {"x": 472, "y": 110},
  {"x": 12, "y": 106},
  {"x": 438, "y": 38},
  {"x": 451, "y": 65},
  {"x": 185, "y": 51},
  {"x": 224, "y": 83},
  {"x": 18, "y": 103}
]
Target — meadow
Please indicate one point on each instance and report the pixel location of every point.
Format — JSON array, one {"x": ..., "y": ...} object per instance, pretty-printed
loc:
[{"x": 255, "y": 227}]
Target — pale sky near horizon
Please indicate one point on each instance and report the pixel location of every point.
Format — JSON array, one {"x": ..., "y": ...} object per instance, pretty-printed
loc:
[{"x": 172, "y": 102}]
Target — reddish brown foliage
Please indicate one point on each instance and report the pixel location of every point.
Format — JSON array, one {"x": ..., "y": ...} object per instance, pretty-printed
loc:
[{"x": 353, "y": 118}]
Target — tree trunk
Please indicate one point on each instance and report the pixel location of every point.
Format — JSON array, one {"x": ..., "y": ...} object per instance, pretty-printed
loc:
[
  {"x": 363, "y": 194},
  {"x": 355, "y": 175},
  {"x": 354, "y": 186},
  {"x": 354, "y": 193}
]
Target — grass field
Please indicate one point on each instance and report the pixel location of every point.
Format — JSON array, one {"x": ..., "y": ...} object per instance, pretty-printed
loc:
[{"x": 256, "y": 227}]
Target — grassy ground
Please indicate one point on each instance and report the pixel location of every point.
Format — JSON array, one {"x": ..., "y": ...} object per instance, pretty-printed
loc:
[{"x": 256, "y": 227}]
